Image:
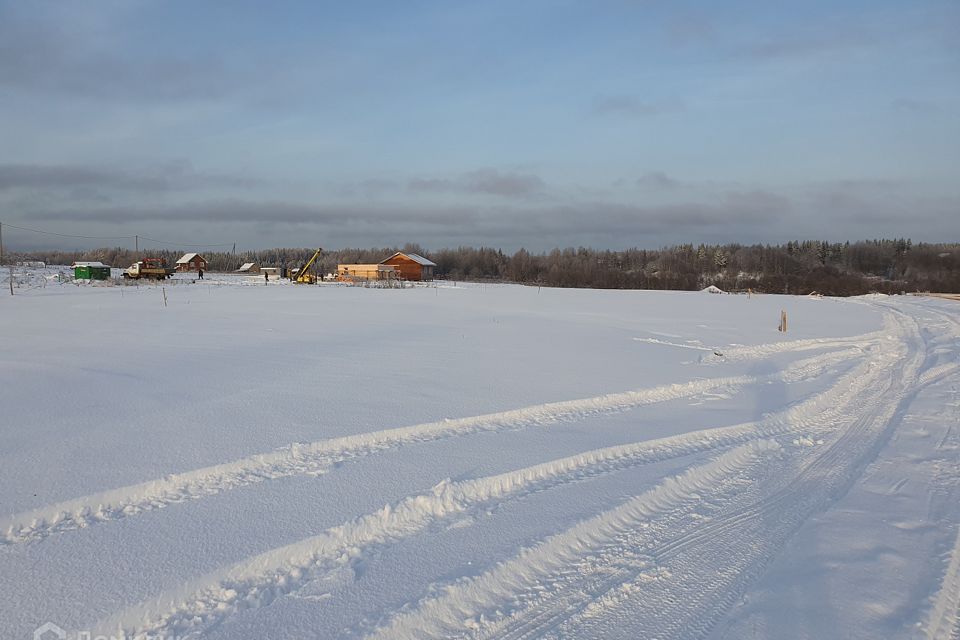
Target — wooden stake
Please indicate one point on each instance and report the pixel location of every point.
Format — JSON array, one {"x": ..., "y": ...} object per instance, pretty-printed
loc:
[{"x": 783, "y": 322}]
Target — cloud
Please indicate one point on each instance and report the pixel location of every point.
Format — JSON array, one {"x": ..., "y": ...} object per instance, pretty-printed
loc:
[
  {"x": 657, "y": 180},
  {"x": 59, "y": 49},
  {"x": 268, "y": 211},
  {"x": 483, "y": 181},
  {"x": 165, "y": 177},
  {"x": 633, "y": 107},
  {"x": 506, "y": 221}
]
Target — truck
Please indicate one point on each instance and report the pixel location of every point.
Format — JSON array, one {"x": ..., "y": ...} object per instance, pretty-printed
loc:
[{"x": 149, "y": 268}]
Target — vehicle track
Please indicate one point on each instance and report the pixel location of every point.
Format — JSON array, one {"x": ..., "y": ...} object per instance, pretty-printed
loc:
[
  {"x": 258, "y": 581},
  {"x": 819, "y": 480},
  {"x": 462, "y": 606},
  {"x": 707, "y": 564},
  {"x": 320, "y": 457}
]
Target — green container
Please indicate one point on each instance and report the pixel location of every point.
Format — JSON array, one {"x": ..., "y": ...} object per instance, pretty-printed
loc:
[{"x": 91, "y": 273}]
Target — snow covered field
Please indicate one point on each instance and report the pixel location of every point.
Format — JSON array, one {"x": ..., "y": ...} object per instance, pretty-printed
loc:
[{"x": 281, "y": 461}]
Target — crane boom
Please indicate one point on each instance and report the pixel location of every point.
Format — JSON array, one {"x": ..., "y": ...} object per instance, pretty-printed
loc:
[{"x": 302, "y": 275}]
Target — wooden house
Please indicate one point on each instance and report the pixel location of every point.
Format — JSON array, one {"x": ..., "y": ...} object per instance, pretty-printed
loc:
[
  {"x": 410, "y": 266},
  {"x": 365, "y": 272},
  {"x": 249, "y": 267},
  {"x": 191, "y": 262}
]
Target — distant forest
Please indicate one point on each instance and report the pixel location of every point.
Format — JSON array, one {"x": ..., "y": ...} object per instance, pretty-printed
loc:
[{"x": 841, "y": 269}]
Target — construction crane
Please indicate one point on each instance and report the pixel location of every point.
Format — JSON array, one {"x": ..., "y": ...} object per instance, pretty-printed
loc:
[{"x": 302, "y": 276}]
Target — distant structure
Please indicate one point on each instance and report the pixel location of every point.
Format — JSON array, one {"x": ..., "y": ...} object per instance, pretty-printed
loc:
[
  {"x": 91, "y": 271},
  {"x": 352, "y": 272},
  {"x": 191, "y": 262},
  {"x": 249, "y": 267},
  {"x": 410, "y": 266}
]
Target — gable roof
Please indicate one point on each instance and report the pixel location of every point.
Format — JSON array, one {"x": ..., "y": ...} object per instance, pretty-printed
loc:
[
  {"x": 247, "y": 266},
  {"x": 187, "y": 257},
  {"x": 416, "y": 258}
]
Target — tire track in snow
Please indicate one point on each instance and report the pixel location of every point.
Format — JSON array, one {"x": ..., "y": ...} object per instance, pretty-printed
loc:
[
  {"x": 755, "y": 352},
  {"x": 441, "y": 616},
  {"x": 716, "y": 569},
  {"x": 943, "y": 623},
  {"x": 699, "y": 573},
  {"x": 258, "y": 581},
  {"x": 320, "y": 457}
]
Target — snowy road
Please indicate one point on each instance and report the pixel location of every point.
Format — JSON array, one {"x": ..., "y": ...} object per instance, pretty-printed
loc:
[{"x": 480, "y": 461}]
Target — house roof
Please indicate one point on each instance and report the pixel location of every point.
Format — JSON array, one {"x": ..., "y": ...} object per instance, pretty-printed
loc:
[
  {"x": 416, "y": 258},
  {"x": 247, "y": 266},
  {"x": 187, "y": 257}
]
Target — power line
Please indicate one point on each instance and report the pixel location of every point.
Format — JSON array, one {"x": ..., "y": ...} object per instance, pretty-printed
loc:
[{"x": 67, "y": 235}]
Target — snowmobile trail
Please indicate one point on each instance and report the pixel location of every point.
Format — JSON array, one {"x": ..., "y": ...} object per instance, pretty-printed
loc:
[{"x": 320, "y": 457}]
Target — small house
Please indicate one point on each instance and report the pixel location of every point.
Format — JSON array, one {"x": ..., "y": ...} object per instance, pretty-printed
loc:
[
  {"x": 410, "y": 266},
  {"x": 91, "y": 271},
  {"x": 191, "y": 262},
  {"x": 249, "y": 267}
]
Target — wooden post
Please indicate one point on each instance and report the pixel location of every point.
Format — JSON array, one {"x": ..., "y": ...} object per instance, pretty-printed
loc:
[
  {"x": 11, "y": 279},
  {"x": 783, "y": 322},
  {"x": 164, "y": 296}
]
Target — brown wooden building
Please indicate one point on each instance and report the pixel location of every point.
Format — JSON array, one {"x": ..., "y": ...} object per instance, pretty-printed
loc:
[
  {"x": 191, "y": 262},
  {"x": 410, "y": 266},
  {"x": 352, "y": 272}
]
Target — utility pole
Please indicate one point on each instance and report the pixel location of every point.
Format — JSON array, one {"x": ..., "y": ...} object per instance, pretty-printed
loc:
[
  {"x": 1, "y": 243},
  {"x": 136, "y": 244}
]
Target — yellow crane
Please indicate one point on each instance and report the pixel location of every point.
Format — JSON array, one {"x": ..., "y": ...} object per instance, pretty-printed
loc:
[{"x": 302, "y": 276}]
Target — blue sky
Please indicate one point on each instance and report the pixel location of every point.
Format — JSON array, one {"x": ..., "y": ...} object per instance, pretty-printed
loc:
[{"x": 507, "y": 124}]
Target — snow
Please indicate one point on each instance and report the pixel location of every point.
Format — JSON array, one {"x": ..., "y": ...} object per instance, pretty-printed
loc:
[{"x": 271, "y": 460}]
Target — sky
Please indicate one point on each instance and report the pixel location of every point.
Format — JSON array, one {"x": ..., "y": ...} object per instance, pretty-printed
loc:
[{"x": 537, "y": 124}]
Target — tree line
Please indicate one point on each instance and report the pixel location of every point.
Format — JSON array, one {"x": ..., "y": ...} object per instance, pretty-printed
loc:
[{"x": 886, "y": 266}]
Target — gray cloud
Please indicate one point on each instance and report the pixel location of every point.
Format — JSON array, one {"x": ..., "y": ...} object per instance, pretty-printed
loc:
[
  {"x": 94, "y": 180},
  {"x": 657, "y": 180},
  {"x": 483, "y": 181},
  {"x": 506, "y": 222},
  {"x": 53, "y": 51},
  {"x": 269, "y": 212},
  {"x": 633, "y": 107}
]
